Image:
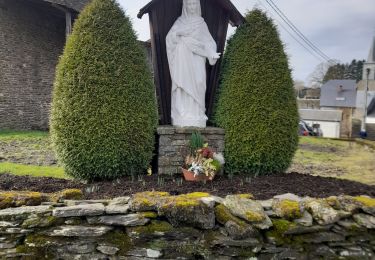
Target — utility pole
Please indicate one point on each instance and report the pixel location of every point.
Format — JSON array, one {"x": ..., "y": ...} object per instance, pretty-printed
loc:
[{"x": 363, "y": 130}]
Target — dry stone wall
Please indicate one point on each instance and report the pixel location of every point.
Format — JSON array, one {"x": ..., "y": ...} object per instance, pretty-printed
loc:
[{"x": 156, "y": 225}]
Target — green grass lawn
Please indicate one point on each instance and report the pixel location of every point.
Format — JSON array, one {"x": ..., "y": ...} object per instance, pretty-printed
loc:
[
  {"x": 31, "y": 153},
  {"x": 28, "y": 153},
  {"x": 35, "y": 171},
  {"x": 9, "y": 135},
  {"x": 336, "y": 158}
]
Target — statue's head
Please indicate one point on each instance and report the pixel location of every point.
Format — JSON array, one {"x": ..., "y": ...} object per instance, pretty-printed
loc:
[{"x": 192, "y": 8}]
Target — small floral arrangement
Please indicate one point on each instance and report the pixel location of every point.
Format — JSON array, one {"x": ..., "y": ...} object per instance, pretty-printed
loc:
[{"x": 203, "y": 161}]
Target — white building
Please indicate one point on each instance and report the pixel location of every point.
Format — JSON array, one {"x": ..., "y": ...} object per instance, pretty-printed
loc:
[
  {"x": 328, "y": 120},
  {"x": 368, "y": 82}
]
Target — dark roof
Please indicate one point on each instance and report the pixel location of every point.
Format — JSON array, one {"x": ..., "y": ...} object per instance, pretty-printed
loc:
[
  {"x": 320, "y": 115},
  {"x": 76, "y": 5},
  {"x": 235, "y": 17},
  {"x": 338, "y": 93}
]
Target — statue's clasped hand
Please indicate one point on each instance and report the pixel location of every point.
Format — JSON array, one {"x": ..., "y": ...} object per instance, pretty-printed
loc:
[{"x": 216, "y": 56}]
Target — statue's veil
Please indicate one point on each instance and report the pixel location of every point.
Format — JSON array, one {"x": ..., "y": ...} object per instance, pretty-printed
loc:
[{"x": 197, "y": 14}]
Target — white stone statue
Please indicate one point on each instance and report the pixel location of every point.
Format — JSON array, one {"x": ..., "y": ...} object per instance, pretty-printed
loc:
[{"x": 189, "y": 44}]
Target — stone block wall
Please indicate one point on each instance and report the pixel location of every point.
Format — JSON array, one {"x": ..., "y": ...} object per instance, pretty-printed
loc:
[
  {"x": 156, "y": 225},
  {"x": 32, "y": 36},
  {"x": 174, "y": 145}
]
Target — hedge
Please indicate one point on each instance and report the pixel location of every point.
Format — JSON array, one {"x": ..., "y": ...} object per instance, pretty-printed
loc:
[
  {"x": 104, "y": 112},
  {"x": 256, "y": 104}
]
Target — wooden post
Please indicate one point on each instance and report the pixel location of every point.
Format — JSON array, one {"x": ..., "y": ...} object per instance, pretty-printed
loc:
[{"x": 68, "y": 21}]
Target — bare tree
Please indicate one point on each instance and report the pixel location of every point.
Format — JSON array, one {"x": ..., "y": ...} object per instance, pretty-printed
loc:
[{"x": 316, "y": 78}]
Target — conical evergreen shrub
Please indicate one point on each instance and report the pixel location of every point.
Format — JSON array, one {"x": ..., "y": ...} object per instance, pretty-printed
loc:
[
  {"x": 256, "y": 104},
  {"x": 104, "y": 112}
]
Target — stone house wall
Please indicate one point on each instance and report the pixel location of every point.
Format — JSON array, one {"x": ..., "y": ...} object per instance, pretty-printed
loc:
[{"x": 32, "y": 36}]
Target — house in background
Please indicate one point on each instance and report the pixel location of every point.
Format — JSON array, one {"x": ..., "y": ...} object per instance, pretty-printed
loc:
[
  {"x": 309, "y": 98},
  {"x": 340, "y": 95},
  {"x": 329, "y": 121},
  {"x": 32, "y": 37},
  {"x": 368, "y": 81}
]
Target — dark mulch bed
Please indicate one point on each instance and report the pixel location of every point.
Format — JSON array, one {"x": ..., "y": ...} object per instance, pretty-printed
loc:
[{"x": 263, "y": 187}]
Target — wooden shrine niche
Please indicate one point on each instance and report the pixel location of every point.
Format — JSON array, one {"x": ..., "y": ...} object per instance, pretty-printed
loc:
[{"x": 162, "y": 15}]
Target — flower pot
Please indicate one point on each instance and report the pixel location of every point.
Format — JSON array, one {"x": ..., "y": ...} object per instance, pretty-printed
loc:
[{"x": 189, "y": 176}]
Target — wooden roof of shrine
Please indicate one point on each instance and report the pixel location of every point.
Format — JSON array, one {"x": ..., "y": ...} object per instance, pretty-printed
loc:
[{"x": 235, "y": 17}]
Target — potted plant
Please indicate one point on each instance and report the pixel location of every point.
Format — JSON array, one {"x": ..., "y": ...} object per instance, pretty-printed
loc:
[{"x": 202, "y": 163}]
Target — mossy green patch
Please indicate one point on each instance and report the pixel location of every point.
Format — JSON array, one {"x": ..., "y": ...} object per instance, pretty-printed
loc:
[
  {"x": 196, "y": 195},
  {"x": 20, "y": 198},
  {"x": 333, "y": 202},
  {"x": 246, "y": 196},
  {"x": 40, "y": 221},
  {"x": 253, "y": 216},
  {"x": 153, "y": 227},
  {"x": 289, "y": 209},
  {"x": 223, "y": 215},
  {"x": 69, "y": 194},
  {"x": 365, "y": 201},
  {"x": 280, "y": 226},
  {"x": 120, "y": 240},
  {"x": 148, "y": 201},
  {"x": 149, "y": 214},
  {"x": 6, "y": 199}
]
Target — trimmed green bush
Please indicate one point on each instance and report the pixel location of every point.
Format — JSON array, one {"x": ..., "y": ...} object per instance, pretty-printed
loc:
[
  {"x": 256, "y": 104},
  {"x": 104, "y": 112}
]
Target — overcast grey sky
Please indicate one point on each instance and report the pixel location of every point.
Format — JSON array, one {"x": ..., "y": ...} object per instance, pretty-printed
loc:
[{"x": 342, "y": 29}]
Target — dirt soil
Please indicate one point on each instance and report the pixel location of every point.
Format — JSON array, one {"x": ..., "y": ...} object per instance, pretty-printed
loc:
[{"x": 263, "y": 187}]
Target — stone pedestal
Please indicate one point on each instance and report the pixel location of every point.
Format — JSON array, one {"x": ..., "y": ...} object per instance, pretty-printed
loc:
[{"x": 174, "y": 145}]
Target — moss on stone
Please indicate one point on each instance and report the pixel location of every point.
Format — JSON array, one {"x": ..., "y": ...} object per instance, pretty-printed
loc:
[
  {"x": 40, "y": 221},
  {"x": 289, "y": 209},
  {"x": 149, "y": 214},
  {"x": 6, "y": 200},
  {"x": 28, "y": 199},
  {"x": 280, "y": 226},
  {"x": 246, "y": 196},
  {"x": 365, "y": 201},
  {"x": 333, "y": 202},
  {"x": 70, "y": 194},
  {"x": 120, "y": 240},
  {"x": 153, "y": 227},
  {"x": 19, "y": 198},
  {"x": 223, "y": 215},
  {"x": 246, "y": 252},
  {"x": 196, "y": 195},
  {"x": 36, "y": 240},
  {"x": 185, "y": 202},
  {"x": 253, "y": 216},
  {"x": 146, "y": 201},
  {"x": 153, "y": 194},
  {"x": 34, "y": 252}
]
